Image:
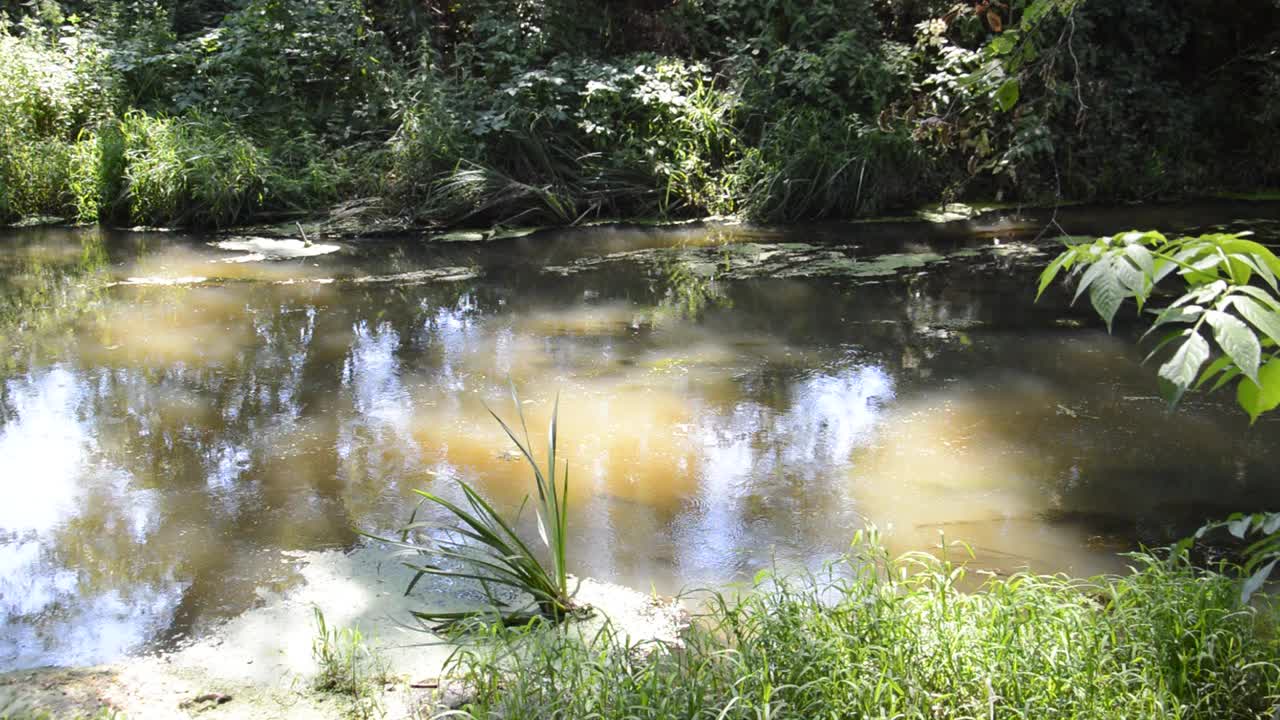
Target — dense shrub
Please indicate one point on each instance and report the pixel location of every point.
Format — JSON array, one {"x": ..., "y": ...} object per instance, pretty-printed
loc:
[
  {"x": 50, "y": 88},
  {"x": 639, "y": 135},
  {"x": 69, "y": 149},
  {"x": 559, "y": 110}
]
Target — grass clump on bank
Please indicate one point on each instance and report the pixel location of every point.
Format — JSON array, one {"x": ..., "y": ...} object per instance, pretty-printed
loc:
[
  {"x": 483, "y": 546},
  {"x": 349, "y": 668},
  {"x": 882, "y": 639}
]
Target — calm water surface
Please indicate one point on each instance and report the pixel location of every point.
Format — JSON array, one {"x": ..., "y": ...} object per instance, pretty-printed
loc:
[{"x": 175, "y": 418}]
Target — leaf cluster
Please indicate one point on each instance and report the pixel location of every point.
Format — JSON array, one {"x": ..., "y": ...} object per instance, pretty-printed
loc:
[{"x": 1224, "y": 325}]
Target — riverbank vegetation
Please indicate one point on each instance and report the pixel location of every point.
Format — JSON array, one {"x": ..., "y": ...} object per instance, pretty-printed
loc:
[
  {"x": 872, "y": 636},
  {"x": 881, "y": 638},
  {"x": 216, "y": 112}
]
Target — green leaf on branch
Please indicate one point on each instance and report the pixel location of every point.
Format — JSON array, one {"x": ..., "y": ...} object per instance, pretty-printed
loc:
[
  {"x": 1003, "y": 44},
  {"x": 1226, "y": 377},
  {"x": 1238, "y": 525},
  {"x": 1096, "y": 269},
  {"x": 1255, "y": 581},
  {"x": 1271, "y": 524},
  {"x": 1215, "y": 367},
  {"x": 1260, "y": 295},
  {"x": 1007, "y": 95},
  {"x": 1106, "y": 293},
  {"x": 1268, "y": 321},
  {"x": 1168, "y": 338},
  {"x": 1258, "y": 266},
  {"x": 1141, "y": 257},
  {"x": 1182, "y": 369},
  {"x": 1051, "y": 272},
  {"x": 1132, "y": 279},
  {"x": 1176, "y": 314},
  {"x": 1263, "y": 395},
  {"x": 1236, "y": 244},
  {"x": 1237, "y": 341}
]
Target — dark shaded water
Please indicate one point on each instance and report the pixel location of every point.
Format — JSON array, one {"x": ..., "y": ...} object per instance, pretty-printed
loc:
[{"x": 170, "y": 422}]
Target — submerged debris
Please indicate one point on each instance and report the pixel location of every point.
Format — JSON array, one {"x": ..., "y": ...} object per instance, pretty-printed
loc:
[
  {"x": 419, "y": 277},
  {"x": 258, "y": 249},
  {"x": 184, "y": 280},
  {"x": 207, "y": 699},
  {"x": 742, "y": 261}
]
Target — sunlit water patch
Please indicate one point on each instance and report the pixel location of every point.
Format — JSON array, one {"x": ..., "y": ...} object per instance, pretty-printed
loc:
[{"x": 173, "y": 426}]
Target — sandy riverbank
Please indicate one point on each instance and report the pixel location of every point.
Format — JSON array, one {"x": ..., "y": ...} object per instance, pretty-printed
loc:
[{"x": 260, "y": 665}]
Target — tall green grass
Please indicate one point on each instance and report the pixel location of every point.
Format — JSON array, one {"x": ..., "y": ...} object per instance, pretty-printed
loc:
[
  {"x": 96, "y": 175},
  {"x": 192, "y": 170},
  {"x": 349, "y": 669},
  {"x": 898, "y": 639},
  {"x": 70, "y": 149},
  {"x": 50, "y": 88},
  {"x": 812, "y": 164}
]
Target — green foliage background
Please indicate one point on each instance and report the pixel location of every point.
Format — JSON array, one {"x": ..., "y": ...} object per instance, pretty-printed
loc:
[{"x": 214, "y": 112}]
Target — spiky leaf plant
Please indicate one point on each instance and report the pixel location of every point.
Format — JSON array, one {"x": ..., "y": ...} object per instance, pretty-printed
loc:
[{"x": 479, "y": 544}]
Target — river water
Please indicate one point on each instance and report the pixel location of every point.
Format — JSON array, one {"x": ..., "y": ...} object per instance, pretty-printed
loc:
[{"x": 177, "y": 418}]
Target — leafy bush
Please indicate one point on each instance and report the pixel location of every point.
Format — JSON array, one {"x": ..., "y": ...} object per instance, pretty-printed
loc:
[
  {"x": 50, "y": 87},
  {"x": 899, "y": 639},
  {"x": 639, "y": 135},
  {"x": 53, "y": 85},
  {"x": 33, "y": 178},
  {"x": 1131, "y": 97},
  {"x": 315, "y": 67}
]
